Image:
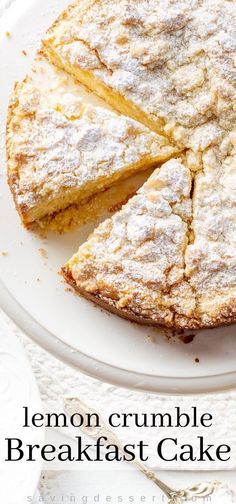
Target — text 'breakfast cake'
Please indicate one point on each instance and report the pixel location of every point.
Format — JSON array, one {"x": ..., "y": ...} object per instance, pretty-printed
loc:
[
  {"x": 168, "y": 257},
  {"x": 62, "y": 150}
]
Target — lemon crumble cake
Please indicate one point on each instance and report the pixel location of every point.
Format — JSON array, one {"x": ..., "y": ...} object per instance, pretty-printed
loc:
[
  {"x": 169, "y": 64},
  {"x": 62, "y": 149},
  {"x": 168, "y": 257}
]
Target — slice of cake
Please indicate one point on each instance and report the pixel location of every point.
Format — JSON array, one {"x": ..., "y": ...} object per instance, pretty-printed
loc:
[
  {"x": 134, "y": 263},
  {"x": 62, "y": 150},
  {"x": 211, "y": 257},
  {"x": 170, "y": 65}
]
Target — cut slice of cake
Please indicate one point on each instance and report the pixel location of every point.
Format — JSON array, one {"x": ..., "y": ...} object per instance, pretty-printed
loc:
[
  {"x": 133, "y": 264},
  {"x": 211, "y": 257},
  {"x": 169, "y": 65},
  {"x": 62, "y": 150}
]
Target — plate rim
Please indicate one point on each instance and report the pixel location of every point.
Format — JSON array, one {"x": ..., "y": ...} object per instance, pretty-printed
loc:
[{"x": 106, "y": 372}]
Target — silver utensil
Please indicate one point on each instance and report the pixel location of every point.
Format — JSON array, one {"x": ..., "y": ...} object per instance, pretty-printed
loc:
[{"x": 200, "y": 491}]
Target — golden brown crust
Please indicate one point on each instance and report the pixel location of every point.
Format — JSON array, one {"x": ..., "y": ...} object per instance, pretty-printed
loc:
[
  {"x": 13, "y": 175},
  {"x": 226, "y": 316},
  {"x": 110, "y": 305}
]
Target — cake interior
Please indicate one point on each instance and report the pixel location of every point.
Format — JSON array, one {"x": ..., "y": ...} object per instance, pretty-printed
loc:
[
  {"x": 112, "y": 97},
  {"x": 51, "y": 103}
]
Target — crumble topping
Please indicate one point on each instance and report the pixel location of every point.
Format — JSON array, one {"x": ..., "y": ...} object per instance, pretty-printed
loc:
[
  {"x": 211, "y": 258},
  {"x": 174, "y": 59},
  {"x": 138, "y": 254}
]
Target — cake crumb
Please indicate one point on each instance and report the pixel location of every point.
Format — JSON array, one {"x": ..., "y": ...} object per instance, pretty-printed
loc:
[
  {"x": 43, "y": 253},
  {"x": 151, "y": 338},
  {"x": 8, "y": 34},
  {"x": 4, "y": 253},
  {"x": 166, "y": 333},
  {"x": 24, "y": 52},
  {"x": 197, "y": 360},
  {"x": 187, "y": 338}
]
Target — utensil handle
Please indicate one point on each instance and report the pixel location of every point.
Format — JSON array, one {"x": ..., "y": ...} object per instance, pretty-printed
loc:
[{"x": 74, "y": 404}]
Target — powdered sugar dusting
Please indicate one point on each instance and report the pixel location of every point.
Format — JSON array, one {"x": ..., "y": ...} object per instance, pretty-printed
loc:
[
  {"x": 211, "y": 259},
  {"x": 174, "y": 59},
  {"x": 71, "y": 144}
]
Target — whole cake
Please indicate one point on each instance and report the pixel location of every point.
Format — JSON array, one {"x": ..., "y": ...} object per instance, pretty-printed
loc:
[{"x": 168, "y": 257}]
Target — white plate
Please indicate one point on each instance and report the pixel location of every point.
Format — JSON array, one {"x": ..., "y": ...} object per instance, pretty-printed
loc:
[
  {"x": 17, "y": 389},
  {"x": 99, "y": 344}
]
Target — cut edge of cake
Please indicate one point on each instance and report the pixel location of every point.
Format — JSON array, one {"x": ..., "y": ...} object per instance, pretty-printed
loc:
[
  {"x": 107, "y": 93},
  {"x": 114, "y": 98},
  {"x": 157, "y": 150}
]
